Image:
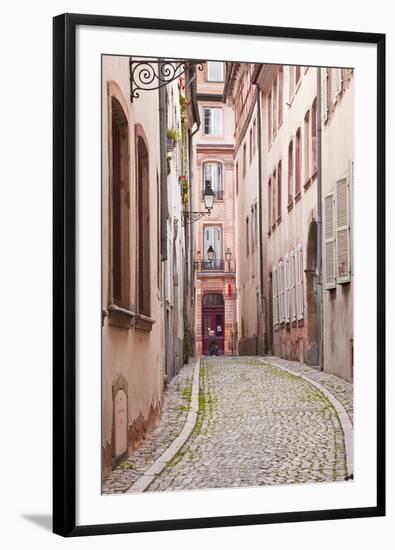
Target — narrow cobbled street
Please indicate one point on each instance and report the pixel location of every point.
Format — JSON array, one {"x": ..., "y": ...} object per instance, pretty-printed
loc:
[{"x": 257, "y": 424}]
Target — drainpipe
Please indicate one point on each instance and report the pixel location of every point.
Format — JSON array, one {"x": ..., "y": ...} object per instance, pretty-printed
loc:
[
  {"x": 260, "y": 225},
  {"x": 319, "y": 221},
  {"x": 163, "y": 170}
]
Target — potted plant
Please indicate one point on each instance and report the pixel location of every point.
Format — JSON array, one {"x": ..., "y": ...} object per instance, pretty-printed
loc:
[{"x": 172, "y": 139}]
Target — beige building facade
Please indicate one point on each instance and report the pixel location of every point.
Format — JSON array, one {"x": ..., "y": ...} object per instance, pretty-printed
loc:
[{"x": 144, "y": 250}]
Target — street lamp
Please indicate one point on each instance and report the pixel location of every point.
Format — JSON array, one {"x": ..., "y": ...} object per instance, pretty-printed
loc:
[
  {"x": 228, "y": 256},
  {"x": 190, "y": 217},
  {"x": 210, "y": 254}
]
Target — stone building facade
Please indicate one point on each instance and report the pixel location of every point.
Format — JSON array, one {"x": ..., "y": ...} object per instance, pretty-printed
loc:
[{"x": 214, "y": 292}]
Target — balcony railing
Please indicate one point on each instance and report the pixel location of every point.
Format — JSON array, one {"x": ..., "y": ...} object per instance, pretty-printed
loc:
[
  {"x": 218, "y": 266},
  {"x": 218, "y": 195}
]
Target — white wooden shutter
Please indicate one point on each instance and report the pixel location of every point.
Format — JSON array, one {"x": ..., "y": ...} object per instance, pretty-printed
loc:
[
  {"x": 330, "y": 242},
  {"x": 281, "y": 291},
  {"x": 299, "y": 286},
  {"x": 293, "y": 286},
  {"x": 342, "y": 231},
  {"x": 324, "y": 93},
  {"x": 350, "y": 198},
  {"x": 287, "y": 289},
  {"x": 275, "y": 296}
]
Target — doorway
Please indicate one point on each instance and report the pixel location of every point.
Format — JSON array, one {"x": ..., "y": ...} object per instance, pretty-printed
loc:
[{"x": 213, "y": 316}]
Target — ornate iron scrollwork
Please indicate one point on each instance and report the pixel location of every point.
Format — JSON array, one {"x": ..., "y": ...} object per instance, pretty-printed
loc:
[
  {"x": 153, "y": 74},
  {"x": 190, "y": 217}
]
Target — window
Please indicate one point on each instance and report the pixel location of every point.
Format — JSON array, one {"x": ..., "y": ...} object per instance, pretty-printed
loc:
[
  {"x": 274, "y": 205},
  {"x": 298, "y": 162},
  {"x": 292, "y": 265},
  {"x": 251, "y": 148},
  {"x": 212, "y": 175},
  {"x": 291, "y": 78},
  {"x": 297, "y": 75},
  {"x": 213, "y": 237},
  {"x": 279, "y": 176},
  {"x": 269, "y": 205},
  {"x": 324, "y": 93},
  {"x": 281, "y": 289},
  {"x": 254, "y": 136},
  {"x": 299, "y": 282},
  {"x": 252, "y": 229},
  {"x": 343, "y": 240},
  {"x": 269, "y": 118},
  {"x": 280, "y": 95},
  {"x": 274, "y": 108},
  {"x": 290, "y": 172},
  {"x": 336, "y": 83},
  {"x": 215, "y": 71},
  {"x": 244, "y": 159},
  {"x": 213, "y": 300},
  {"x": 306, "y": 147},
  {"x": 330, "y": 242},
  {"x": 144, "y": 279},
  {"x": 237, "y": 178},
  {"x": 213, "y": 121},
  {"x": 337, "y": 232},
  {"x": 287, "y": 289},
  {"x": 256, "y": 227},
  {"x": 314, "y": 138},
  {"x": 120, "y": 214},
  {"x": 247, "y": 237},
  {"x": 275, "y": 297}
]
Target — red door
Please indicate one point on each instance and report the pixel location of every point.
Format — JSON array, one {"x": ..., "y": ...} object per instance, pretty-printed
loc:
[{"x": 213, "y": 319}]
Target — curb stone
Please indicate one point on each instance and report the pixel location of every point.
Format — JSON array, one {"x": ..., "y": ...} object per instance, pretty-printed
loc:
[
  {"x": 144, "y": 481},
  {"x": 344, "y": 419}
]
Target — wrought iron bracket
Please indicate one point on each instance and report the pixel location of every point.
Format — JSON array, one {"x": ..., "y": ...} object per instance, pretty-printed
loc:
[
  {"x": 190, "y": 217},
  {"x": 154, "y": 74}
]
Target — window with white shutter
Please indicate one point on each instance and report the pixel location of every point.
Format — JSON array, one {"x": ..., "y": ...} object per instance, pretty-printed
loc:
[
  {"x": 336, "y": 85},
  {"x": 299, "y": 283},
  {"x": 324, "y": 93},
  {"x": 213, "y": 121},
  {"x": 343, "y": 256},
  {"x": 287, "y": 288},
  {"x": 293, "y": 285},
  {"x": 275, "y": 296},
  {"x": 330, "y": 242},
  {"x": 281, "y": 288}
]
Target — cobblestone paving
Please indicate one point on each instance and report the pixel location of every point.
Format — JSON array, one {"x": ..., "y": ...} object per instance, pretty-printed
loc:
[
  {"x": 174, "y": 412},
  {"x": 341, "y": 389},
  {"x": 257, "y": 425}
]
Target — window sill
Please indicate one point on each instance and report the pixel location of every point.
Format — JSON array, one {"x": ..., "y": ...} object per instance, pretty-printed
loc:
[
  {"x": 290, "y": 205},
  {"x": 307, "y": 184},
  {"x": 298, "y": 196},
  {"x": 274, "y": 226},
  {"x": 279, "y": 219},
  {"x": 143, "y": 322},
  {"x": 120, "y": 317},
  {"x": 300, "y": 322},
  {"x": 314, "y": 174}
]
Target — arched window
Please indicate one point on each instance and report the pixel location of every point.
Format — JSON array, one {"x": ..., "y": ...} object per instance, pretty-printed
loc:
[
  {"x": 212, "y": 174},
  {"x": 290, "y": 171},
  {"x": 144, "y": 280},
  {"x": 314, "y": 137},
  {"x": 298, "y": 161},
  {"x": 120, "y": 195},
  {"x": 213, "y": 300},
  {"x": 306, "y": 147}
]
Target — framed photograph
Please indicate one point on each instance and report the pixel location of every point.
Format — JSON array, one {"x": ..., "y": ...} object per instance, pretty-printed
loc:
[{"x": 219, "y": 275}]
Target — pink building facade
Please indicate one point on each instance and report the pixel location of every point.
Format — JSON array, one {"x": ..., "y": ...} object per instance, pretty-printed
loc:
[{"x": 214, "y": 292}]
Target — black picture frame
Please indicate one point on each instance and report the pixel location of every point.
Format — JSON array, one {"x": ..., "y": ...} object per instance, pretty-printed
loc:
[{"x": 64, "y": 273}]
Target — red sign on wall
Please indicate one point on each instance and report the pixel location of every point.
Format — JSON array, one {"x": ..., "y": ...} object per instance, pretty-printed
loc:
[{"x": 229, "y": 290}]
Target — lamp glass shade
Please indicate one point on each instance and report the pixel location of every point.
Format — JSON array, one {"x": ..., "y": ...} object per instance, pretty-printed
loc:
[
  {"x": 208, "y": 197},
  {"x": 210, "y": 253}
]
